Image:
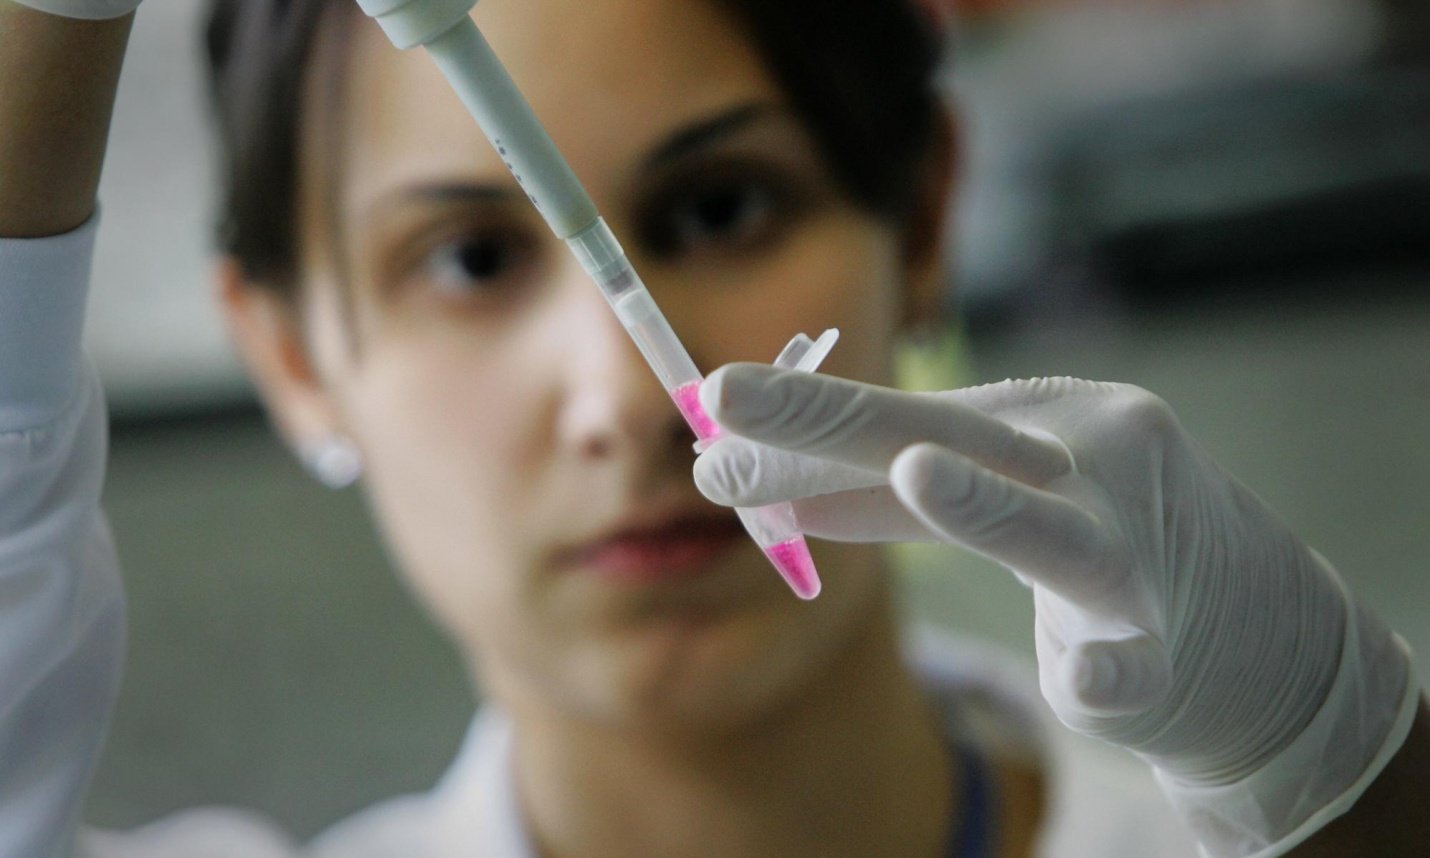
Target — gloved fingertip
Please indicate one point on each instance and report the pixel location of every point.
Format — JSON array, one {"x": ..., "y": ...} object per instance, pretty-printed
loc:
[
  {"x": 1088, "y": 676},
  {"x": 1117, "y": 677},
  {"x": 925, "y": 475},
  {"x": 712, "y": 392},
  {"x": 735, "y": 395},
  {"x": 712, "y": 478},
  {"x": 912, "y": 465}
]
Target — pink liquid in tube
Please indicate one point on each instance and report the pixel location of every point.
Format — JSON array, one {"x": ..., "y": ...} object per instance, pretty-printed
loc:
[
  {"x": 687, "y": 399},
  {"x": 792, "y": 558},
  {"x": 789, "y": 555}
]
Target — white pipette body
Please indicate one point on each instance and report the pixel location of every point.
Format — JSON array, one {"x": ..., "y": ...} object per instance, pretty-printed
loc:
[{"x": 465, "y": 58}]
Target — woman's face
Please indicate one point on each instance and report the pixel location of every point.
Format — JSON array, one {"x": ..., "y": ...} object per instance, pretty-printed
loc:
[{"x": 531, "y": 476}]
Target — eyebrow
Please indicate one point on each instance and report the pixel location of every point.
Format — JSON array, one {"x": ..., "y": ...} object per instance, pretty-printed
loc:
[
  {"x": 707, "y": 132},
  {"x": 439, "y": 192},
  {"x": 690, "y": 139},
  {"x": 458, "y": 192}
]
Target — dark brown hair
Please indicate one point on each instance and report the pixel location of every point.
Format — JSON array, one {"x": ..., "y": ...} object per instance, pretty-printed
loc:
[{"x": 858, "y": 73}]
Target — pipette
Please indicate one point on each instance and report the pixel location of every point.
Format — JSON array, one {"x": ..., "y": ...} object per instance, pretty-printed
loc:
[{"x": 463, "y": 55}]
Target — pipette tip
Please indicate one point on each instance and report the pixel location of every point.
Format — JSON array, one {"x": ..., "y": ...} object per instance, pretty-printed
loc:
[
  {"x": 792, "y": 559},
  {"x": 687, "y": 399}
]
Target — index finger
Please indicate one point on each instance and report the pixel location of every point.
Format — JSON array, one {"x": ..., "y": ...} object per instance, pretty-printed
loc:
[{"x": 867, "y": 426}]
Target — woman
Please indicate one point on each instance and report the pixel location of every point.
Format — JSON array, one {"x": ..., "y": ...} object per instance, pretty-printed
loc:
[{"x": 653, "y": 688}]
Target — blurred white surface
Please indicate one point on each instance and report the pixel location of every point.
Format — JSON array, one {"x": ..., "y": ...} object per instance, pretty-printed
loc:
[{"x": 154, "y": 329}]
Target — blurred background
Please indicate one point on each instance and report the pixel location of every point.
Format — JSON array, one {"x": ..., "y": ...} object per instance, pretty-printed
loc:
[{"x": 1224, "y": 201}]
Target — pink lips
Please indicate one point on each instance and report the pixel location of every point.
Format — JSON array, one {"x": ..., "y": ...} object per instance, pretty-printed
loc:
[{"x": 677, "y": 549}]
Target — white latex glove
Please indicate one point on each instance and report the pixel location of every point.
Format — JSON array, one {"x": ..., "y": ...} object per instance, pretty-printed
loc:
[
  {"x": 91, "y": 10},
  {"x": 1176, "y": 616}
]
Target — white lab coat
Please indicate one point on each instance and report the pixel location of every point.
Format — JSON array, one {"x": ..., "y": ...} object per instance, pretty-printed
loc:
[{"x": 62, "y": 631}]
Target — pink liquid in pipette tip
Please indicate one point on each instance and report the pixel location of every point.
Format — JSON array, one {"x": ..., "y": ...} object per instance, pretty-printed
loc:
[
  {"x": 687, "y": 399},
  {"x": 792, "y": 558}
]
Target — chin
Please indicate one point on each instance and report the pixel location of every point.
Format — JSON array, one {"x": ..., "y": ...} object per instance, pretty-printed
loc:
[
  {"x": 687, "y": 664},
  {"x": 717, "y": 674}
]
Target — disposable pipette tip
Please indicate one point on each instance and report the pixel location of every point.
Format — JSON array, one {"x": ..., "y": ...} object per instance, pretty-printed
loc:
[
  {"x": 687, "y": 399},
  {"x": 792, "y": 559}
]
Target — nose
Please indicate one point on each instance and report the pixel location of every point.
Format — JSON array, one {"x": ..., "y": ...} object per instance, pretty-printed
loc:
[{"x": 612, "y": 403}]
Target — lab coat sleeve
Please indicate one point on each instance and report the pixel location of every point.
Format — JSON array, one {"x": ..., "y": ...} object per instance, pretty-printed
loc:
[{"x": 61, "y": 604}]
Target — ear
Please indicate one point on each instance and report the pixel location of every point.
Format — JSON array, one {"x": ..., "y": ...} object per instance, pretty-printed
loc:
[
  {"x": 267, "y": 331},
  {"x": 925, "y": 265}
]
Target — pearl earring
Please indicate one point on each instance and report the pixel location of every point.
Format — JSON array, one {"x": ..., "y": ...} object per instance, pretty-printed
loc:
[{"x": 333, "y": 461}]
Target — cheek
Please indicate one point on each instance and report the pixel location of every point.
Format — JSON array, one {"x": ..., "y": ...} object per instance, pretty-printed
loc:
[{"x": 449, "y": 448}]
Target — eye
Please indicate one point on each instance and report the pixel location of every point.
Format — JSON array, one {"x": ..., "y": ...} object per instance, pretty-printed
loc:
[
  {"x": 713, "y": 216},
  {"x": 470, "y": 264},
  {"x": 724, "y": 213}
]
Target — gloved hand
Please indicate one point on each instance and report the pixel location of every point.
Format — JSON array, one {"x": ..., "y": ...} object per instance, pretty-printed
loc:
[
  {"x": 92, "y": 10},
  {"x": 1176, "y": 616}
]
